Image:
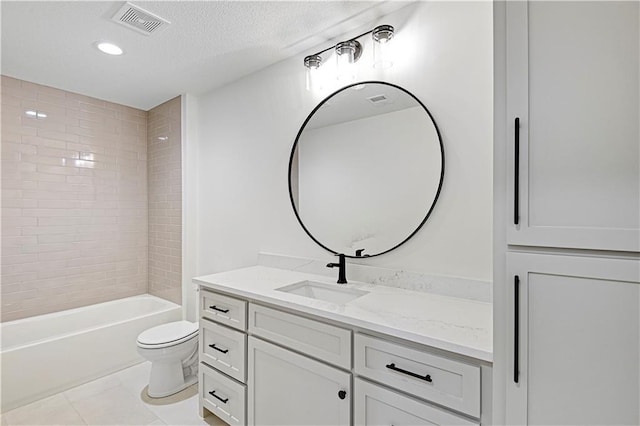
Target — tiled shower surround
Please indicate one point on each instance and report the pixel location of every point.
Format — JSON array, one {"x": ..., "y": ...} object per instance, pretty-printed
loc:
[
  {"x": 165, "y": 201},
  {"x": 74, "y": 200}
]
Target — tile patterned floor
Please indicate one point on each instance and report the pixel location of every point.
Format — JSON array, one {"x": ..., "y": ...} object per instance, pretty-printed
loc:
[{"x": 117, "y": 399}]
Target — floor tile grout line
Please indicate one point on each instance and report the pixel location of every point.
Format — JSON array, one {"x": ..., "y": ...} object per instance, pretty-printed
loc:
[
  {"x": 74, "y": 408},
  {"x": 121, "y": 383},
  {"x": 71, "y": 390},
  {"x": 129, "y": 394},
  {"x": 129, "y": 388}
]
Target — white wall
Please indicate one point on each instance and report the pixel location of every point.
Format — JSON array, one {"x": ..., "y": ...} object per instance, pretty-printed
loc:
[{"x": 246, "y": 130}]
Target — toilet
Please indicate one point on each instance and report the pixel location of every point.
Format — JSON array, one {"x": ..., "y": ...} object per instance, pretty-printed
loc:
[{"x": 172, "y": 349}]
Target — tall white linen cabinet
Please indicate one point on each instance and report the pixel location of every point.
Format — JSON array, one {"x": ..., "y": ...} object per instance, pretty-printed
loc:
[{"x": 567, "y": 219}]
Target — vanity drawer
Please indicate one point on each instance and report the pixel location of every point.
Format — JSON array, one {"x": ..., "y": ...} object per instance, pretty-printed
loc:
[
  {"x": 450, "y": 383},
  {"x": 223, "y": 309},
  {"x": 322, "y": 341},
  {"x": 375, "y": 405},
  {"x": 224, "y": 349},
  {"x": 223, "y": 396}
]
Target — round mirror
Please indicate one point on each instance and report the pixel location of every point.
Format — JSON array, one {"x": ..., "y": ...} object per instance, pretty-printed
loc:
[{"x": 366, "y": 169}]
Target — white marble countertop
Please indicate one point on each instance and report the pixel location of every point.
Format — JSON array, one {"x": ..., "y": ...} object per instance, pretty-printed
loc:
[{"x": 457, "y": 325}]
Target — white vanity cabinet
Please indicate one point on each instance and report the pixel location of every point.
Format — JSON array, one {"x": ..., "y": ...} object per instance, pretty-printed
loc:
[
  {"x": 223, "y": 354},
  {"x": 283, "y": 368}
]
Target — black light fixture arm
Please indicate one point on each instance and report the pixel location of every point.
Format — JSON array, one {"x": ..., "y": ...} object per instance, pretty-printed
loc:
[{"x": 334, "y": 46}]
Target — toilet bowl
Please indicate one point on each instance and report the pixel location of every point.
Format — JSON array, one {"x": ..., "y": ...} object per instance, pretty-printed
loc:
[{"x": 172, "y": 349}]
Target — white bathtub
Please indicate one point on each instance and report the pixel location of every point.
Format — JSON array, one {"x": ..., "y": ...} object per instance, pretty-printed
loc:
[{"x": 44, "y": 355}]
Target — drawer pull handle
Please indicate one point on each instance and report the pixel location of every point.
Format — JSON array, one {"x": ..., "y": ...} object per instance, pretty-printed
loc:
[
  {"x": 342, "y": 394},
  {"x": 215, "y": 308},
  {"x": 426, "y": 378},
  {"x": 213, "y": 346},
  {"x": 213, "y": 394}
]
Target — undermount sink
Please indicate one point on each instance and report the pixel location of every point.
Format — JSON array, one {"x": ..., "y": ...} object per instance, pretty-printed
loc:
[{"x": 320, "y": 291}]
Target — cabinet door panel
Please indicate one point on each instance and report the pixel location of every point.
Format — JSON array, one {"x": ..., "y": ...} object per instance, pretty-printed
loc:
[
  {"x": 222, "y": 396},
  {"x": 223, "y": 349},
  {"x": 573, "y": 80},
  {"x": 579, "y": 342},
  {"x": 375, "y": 405},
  {"x": 223, "y": 309},
  {"x": 286, "y": 388}
]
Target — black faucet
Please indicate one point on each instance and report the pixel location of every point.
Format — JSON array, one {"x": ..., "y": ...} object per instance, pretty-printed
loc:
[{"x": 342, "y": 271}]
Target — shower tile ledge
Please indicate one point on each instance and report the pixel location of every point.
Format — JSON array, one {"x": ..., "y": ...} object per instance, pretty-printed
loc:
[{"x": 452, "y": 324}]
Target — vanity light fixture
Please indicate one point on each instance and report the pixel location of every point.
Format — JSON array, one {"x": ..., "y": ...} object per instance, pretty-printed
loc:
[
  {"x": 348, "y": 52},
  {"x": 109, "y": 48},
  {"x": 312, "y": 63},
  {"x": 382, "y": 35}
]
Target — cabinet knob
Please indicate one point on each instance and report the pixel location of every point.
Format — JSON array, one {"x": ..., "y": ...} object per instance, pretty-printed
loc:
[{"x": 342, "y": 394}]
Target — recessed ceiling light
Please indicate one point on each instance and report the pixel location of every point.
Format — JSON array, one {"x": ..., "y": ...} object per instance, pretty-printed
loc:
[{"x": 109, "y": 48}]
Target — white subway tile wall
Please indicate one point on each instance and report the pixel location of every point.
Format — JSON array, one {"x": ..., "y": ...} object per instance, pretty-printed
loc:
[
  {"x": 165, "y": 201},
  {"x": 74, "y": 200}
]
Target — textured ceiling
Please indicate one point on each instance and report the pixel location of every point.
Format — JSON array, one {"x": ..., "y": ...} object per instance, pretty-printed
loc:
[{"x": 207, "y": 45}]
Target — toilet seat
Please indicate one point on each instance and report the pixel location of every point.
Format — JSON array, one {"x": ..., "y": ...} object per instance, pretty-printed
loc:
[{"x": 166, "y": 335}]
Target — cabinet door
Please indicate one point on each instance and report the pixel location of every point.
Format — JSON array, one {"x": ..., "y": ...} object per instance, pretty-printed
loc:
[
  {"x": 375, "y": 405},
  {"x": 575, "y": 358},
  {"x": 286, "y": 388},
  {"x": 573, "y": 83}
]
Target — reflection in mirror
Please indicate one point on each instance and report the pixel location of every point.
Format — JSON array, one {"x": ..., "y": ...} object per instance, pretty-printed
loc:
[{"x": 366, "y": 169}]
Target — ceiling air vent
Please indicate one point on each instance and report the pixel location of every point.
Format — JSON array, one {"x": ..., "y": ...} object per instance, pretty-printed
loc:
[
  {"x": 378, "y": 100},
  {"x": 140, "y": 20}
]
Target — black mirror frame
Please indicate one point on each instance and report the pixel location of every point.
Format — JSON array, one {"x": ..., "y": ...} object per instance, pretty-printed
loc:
[{"x": 295, "y": 144}]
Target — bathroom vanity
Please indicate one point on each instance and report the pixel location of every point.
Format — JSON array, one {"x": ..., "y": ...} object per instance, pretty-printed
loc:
[{"x": 284, "y": 347}]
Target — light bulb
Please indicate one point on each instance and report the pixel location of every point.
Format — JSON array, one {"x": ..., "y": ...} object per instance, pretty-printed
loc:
[
  {"x": 347, "y": 53},
  {"x": 312, "y": 63},
  {"x": 381, "y": 36}
]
